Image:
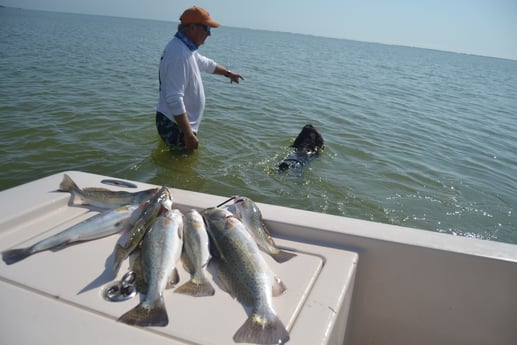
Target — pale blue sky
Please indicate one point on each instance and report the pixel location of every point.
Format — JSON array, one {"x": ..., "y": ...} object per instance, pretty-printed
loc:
[{"x": 483, "y": 27}]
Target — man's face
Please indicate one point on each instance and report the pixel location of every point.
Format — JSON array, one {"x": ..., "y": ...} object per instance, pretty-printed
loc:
[{"x": 198, "y": 33}]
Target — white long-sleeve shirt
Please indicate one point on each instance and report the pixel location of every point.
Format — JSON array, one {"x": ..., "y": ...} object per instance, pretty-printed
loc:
[{"x": 181, "y": 86}]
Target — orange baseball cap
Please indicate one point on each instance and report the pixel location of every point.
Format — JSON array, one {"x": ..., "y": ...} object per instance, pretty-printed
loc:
[{"x": 197, "y": 15}]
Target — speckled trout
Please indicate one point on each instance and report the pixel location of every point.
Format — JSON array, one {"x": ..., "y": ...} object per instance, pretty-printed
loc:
[
  {"x": 160, "y": 252},
  {"x": 101, "y": 225},
  {"x": 103, "y": 197},
  {"x": 195, "y": 256},
  {"x": 244, "y": 273},
  {"x": 139, "y": 227},
  {"x": 249, "y": 214}
]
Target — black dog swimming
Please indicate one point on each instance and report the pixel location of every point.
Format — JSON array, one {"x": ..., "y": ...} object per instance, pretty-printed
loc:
[{"x": 307, "y": 146}]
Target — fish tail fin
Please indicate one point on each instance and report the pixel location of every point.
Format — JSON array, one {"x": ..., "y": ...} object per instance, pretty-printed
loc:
[
  {"x": 68, "y": 185},
  {"x": 147, "y": 315},
  {"x": 14, "y": 255},
  {"x": 282, "y": 256},
  {"x": 259, "y": 329},
  {"x": 196, "y": 288}
]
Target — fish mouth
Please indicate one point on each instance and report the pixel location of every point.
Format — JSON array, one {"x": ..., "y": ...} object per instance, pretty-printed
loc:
[
  {"x": 166, "y": 204},
  {"x": 166, "y": 200},
  {"x": 238, "y": 198}
]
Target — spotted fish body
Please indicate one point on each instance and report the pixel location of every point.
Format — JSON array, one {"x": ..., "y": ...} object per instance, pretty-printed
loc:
[
  {"x": 160, "y": 252},
  {"x": 249, "y": 214},
  {"x": 195, "y": 256},
  {"x": 245, "y": 274},
  {"x": 102, "y": 197},
  {"x": 140, "y": 226}
]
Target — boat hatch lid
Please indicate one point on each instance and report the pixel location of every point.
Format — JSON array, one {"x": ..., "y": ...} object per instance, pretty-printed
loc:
[{"x": 56, "y": 296}]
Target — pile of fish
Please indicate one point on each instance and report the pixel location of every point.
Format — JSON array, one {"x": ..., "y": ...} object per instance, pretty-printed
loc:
[{"x": 159, "y": 237}]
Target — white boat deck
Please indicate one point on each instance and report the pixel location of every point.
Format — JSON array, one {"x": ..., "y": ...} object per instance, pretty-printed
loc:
[
  {"x": 57, "y": 296},
  {"x": 353, "y": 281}
]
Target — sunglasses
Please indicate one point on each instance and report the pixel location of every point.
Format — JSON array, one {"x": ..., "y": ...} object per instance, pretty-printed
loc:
[{"x": 205, "y": 27}]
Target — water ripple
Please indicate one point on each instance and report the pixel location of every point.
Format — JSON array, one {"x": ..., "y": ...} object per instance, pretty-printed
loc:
[{"x": 414, "y": 137}]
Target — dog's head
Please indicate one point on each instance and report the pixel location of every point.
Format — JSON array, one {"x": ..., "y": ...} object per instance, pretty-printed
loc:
[
  {"x": 309, "y": 140},
  {"x": 307, "y": 145}
]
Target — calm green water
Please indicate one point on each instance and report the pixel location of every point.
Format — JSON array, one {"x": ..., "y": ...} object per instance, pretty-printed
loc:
[{"x": 414, "y": 137}]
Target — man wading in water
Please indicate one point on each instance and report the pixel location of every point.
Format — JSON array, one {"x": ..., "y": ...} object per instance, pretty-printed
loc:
[{"x": 182, "y": 97}]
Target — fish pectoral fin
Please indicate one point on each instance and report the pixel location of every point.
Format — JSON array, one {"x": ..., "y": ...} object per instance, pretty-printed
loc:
[
  {"x": 226, "y": 281},
  {"x": 267, "y": 232},
  {"x": 174, "y": 279},
  {"x": 221, "y": 278},
  {"x": 215, "y": 251}
]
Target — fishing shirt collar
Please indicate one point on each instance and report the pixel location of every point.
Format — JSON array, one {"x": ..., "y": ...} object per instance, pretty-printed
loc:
[{"x": 191, "y": 45}]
